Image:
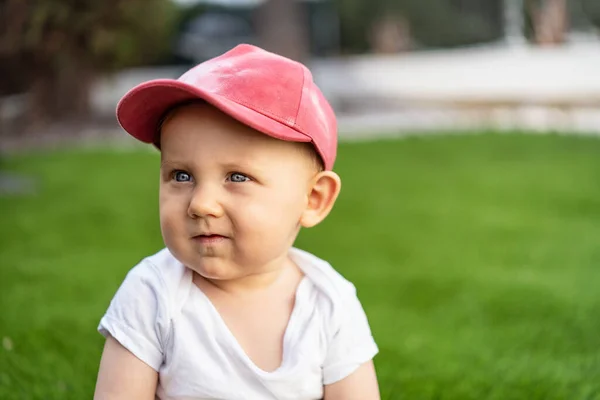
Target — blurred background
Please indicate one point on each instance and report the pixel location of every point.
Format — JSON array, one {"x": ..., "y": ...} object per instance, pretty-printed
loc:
[
  {"x": 417, "y": 65},
  {"x": 470, "y": 215}
]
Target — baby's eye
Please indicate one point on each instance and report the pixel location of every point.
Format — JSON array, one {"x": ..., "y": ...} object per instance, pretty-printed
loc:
[
  {"x": 238, "y": 178},
  {"x": 182, "y": 176}
]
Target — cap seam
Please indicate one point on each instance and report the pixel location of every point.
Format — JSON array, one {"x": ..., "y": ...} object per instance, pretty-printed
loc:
[
  {"x": 260, "y": 110},
  {"x": 264, "y": 112},
  {"x": 301, "y": 97}
]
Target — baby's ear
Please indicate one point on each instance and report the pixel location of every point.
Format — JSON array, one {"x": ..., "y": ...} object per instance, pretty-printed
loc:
[{"x": 321, "y": 197}]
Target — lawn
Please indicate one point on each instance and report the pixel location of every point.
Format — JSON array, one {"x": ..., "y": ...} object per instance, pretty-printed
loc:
[{"x": 477, "y": 259}]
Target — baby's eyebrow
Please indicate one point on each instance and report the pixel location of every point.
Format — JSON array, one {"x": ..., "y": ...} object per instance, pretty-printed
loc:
[
  {"x": 168, "y": 163},
  {"x": 237, "y": 165},
  {"x": 254, "y": 168}
]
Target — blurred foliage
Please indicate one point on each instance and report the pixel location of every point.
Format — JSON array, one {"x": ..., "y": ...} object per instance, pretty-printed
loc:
[
  {"x": 110, "y": 33},
  {"x": 435, "y": 23},
  {"x": 57, "y": 47},
  {"x": 591, "y": 11},
  {"x": 448, "y": 23}
]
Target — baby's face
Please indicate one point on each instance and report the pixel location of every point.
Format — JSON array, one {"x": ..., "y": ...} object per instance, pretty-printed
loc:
[{"x": 231, "y": 198}]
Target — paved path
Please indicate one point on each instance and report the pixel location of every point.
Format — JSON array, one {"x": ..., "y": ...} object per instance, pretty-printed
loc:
[
  {"x": 480, "y": 88},
  {"x": 486, "y": 87}
]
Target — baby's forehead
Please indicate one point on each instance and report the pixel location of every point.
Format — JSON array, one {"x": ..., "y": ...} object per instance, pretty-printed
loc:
[
  {"x": 199, "y": 127},
  {"x": 235, "y": 152},
  {"x": 255, "y": 156}
]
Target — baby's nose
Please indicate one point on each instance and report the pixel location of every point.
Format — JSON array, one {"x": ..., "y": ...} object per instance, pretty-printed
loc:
[{"x": 204, "y": 202}]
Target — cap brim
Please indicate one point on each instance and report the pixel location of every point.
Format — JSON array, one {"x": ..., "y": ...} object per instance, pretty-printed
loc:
[{"x": 140, "y": 110}]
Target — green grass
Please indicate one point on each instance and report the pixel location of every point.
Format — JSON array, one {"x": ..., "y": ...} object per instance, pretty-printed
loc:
[{"x": 476, "y": 257}]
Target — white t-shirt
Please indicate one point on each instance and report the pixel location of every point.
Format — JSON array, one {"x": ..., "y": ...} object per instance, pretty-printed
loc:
[{"x": 165, "y": 320}]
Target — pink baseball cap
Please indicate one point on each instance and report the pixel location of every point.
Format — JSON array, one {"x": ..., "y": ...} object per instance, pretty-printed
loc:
[{"x": 268, "y": 92}]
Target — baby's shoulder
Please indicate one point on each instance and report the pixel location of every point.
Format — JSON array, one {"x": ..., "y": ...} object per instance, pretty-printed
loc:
[
  {"x": 333, "y": 288},
  {"x": 164, "y": 265},
  {"x": 167, "y": 276}
]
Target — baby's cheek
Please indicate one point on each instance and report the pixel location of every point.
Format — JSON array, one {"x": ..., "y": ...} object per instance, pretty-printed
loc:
[
  {"x": 172, "y": 207},
  {"x": 170, "y": 223},
  {"x": 269, "y": 224},
  {"x": 262, "y": 216}
]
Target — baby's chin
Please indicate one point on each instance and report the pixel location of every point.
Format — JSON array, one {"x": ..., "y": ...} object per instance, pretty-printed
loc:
[
  {"x": 217, "y": 271},
  {"x": 222, "y": 263},
  {"x": 228, "y": 275},
  {"x": 210, "y": 267}
]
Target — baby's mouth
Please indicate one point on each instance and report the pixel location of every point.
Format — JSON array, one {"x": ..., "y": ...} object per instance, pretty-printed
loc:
[{"x": 210, "y": 238}]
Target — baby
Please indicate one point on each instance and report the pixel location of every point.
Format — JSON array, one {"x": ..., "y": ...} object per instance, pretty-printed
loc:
[{"x": 230, "y": 309}]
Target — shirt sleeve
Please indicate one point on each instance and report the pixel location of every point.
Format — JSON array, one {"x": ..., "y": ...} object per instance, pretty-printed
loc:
[
  {"x": 352, "y": 343},
  {"x": 138, "y": 315}
]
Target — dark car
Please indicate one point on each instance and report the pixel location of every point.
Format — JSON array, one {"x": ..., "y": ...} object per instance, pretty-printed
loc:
[{"x": 213, "y": 33}]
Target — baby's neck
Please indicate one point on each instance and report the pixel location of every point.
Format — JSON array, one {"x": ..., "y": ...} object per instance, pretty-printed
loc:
[{"x": 255, "y": 283}]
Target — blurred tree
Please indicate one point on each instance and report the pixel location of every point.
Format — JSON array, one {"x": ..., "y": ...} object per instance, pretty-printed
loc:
[
  {"x": 549, "y": 21},
  {"x": 61, "y": 45},
  {"x": 390, "y": 34},
  {"x": 282, "y": 28}
]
